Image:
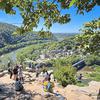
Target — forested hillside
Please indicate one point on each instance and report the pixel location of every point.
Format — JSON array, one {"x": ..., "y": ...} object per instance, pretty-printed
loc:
[
  {"x": 6, "y": 36},
  {"x": 10, "y": 42}
]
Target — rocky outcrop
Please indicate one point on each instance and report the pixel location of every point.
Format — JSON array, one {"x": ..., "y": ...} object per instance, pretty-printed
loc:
[
  {"x": 34, "y": 91},
  {"x": 90, "y": 92}
]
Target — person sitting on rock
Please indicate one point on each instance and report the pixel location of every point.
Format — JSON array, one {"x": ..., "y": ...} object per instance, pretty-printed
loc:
[
  {"x": 80, "y": 77},
  {"x": 18, "y": 85},
  {"x": 48, "y": 86}
]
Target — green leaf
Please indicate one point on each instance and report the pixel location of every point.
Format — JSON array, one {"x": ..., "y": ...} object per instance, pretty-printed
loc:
[{"x": 72, "y": 2}]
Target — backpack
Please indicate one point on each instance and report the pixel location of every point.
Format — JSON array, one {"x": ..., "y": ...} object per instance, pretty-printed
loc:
[
  {"x": 49, "y": 87},
  {"x": 18, "y": 86}
]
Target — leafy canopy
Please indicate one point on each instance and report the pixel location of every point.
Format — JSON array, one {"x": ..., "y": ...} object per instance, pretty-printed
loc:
[
  {"x": 89, "y": 40},
  {"x": 50, "y": 10}
]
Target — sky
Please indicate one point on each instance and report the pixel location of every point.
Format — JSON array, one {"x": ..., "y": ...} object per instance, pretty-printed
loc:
[{"x": 72, "y": 27}]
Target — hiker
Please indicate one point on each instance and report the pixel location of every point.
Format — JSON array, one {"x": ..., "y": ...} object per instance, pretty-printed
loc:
[
  {"x": 30, "y": 65},
  {"x": 37, "y": 71},
  {"x": 47, "y": 76},
  {"x": 20, "y": 73},
  {"x": 18, "y": 85},
  {"x": 52, "y": 77},
  {"x": 15, "y": 72},
  {"x": 80, "y": 77},
  {"x": 48, "y": 86},
  {"x": 10, "y": 71}
]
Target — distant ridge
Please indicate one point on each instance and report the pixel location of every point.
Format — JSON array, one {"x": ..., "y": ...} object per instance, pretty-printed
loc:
[{"x": 61, "y": 36}]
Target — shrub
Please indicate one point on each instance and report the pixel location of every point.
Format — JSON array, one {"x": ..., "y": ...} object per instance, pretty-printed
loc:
[
  {"x": 95, "y": 76},
  {"x": 65, "y": 75},
  {"x": 97, "y": 69}
]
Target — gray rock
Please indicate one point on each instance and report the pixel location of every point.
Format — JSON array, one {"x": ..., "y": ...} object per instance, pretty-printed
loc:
[{"x": 5, "y": 72}]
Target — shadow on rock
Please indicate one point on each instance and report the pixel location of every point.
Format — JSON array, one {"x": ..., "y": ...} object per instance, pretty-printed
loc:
[{"x": 5, "y": 91}]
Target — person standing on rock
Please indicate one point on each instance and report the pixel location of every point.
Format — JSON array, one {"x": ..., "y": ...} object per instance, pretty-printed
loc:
[
  {"x": 10, "y": 71},
  {"x": 48, "y": 85},
  {"x": 47, "y": 76},
  {"x": 20, "y": 73},
  {"x": 37, "y": 71},
  {"x": 15, "y": 72}
]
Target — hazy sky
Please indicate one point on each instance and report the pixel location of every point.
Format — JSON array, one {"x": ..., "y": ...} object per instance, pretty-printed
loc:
[{"x": 72, "y": 27}]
